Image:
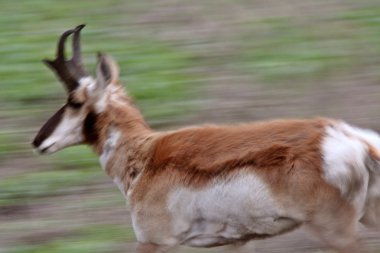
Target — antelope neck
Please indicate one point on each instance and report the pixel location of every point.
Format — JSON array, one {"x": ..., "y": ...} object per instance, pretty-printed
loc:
[{"x": 119, "y": 130}]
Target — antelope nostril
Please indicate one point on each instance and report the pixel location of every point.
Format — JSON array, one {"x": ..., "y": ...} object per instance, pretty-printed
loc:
[{"x": 35, "y": 143}]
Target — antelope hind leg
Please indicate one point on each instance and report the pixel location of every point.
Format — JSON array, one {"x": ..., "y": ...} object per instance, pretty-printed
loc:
[{"x": 336, "y": 227}]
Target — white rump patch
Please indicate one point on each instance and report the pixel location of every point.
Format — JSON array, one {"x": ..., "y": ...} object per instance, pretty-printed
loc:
[
  {"x": 109, "y": 147},
  {"x": 367, "y": 135},
  {"x": 226, "y": 211},
  {"x": 345, "y": 154}
]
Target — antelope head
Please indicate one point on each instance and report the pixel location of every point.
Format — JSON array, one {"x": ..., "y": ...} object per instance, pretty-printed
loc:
[{"x": 86, "y": 96}]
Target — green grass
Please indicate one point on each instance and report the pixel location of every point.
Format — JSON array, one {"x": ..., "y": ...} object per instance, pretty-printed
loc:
[
  {"x": 66, "y": 246},
  {"x": 9, "y": 145},
  {"x": 150, "y": 68},
  {"x": 158, "y": 71},
  {"x": 43, "y": 183},
  {"x": 93, "y": 238},
  {"x": 284, "y": 49}
]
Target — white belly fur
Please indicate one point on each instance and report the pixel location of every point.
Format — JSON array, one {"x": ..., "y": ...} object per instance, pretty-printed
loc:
[{"x": 226, "y": 211}]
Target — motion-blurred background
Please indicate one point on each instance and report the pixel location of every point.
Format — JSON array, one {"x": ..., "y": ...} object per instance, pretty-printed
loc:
[{"x": 185, "y": 62}]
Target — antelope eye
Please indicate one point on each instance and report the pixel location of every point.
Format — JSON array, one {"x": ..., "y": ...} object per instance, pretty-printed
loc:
[{"x": 74, "y": 104}]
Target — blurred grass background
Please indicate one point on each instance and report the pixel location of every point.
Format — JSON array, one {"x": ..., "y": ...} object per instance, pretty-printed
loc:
[{"x": 185, "y": 62}]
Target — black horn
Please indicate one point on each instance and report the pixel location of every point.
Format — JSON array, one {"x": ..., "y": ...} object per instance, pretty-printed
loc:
[{"x": 68, "y": 71}]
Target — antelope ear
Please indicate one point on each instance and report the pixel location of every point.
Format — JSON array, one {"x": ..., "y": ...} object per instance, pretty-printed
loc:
[{"x": 107, "y": 71}]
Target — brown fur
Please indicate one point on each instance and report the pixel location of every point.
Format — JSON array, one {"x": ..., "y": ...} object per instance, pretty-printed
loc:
[
  {"x": 203, "y": 153},
  {"x": 285, "y": 153}
]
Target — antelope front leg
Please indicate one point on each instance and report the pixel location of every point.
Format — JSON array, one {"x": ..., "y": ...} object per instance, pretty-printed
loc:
[{"x": 151, "y": 248}]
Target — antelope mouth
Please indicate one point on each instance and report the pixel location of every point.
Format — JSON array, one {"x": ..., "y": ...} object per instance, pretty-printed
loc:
[{"x": 44, "y": 150}]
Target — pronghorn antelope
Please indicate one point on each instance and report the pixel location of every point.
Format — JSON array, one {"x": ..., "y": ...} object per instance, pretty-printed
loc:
[{"x": 212, "y": 185}]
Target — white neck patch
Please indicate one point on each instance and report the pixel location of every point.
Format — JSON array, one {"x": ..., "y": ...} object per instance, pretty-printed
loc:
[{"x": 109, "y": 146}]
